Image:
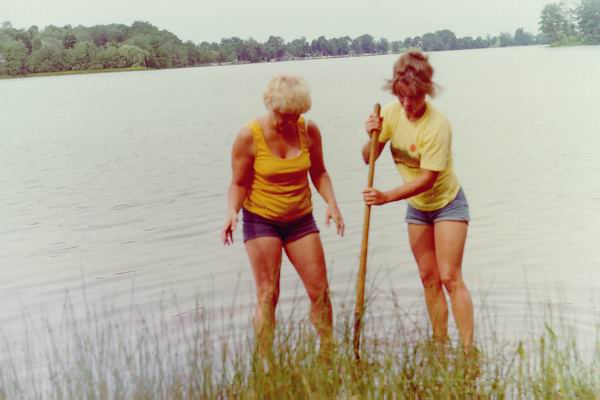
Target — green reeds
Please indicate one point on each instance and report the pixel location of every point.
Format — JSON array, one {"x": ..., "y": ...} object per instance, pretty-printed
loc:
[{"x": 109, "y": 353}]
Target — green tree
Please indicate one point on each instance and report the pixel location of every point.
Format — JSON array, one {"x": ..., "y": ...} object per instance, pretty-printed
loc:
[
  {"x": 227, "y": 51},
  {"x": 466, "y": 42},
  {"x": 540, "y": 38},
  {"x": 54, "y": 32},
  {"x": 417, "y": 42},
  {"x": 234, "y": 48},
  {"x": 397, "y": 46},
  {"x": 158, "y": 57},
  {"x": 69, "y": 41},
  {"x": 99, "y": 35},
  {"x": 447, "y": 38},
  {"x": 177, "y": 54},
  {"x": 208, "y": 54},
  {"x": 383, "y": 46},
  {"x": 27, "y": 38},
  {"x": 143, "y": 28},
  {"x": 553, "y": 21},
  {"x": 523, "y": 38},
  {"x": 479, "y": 43},
  {"x": 299, "y": 48},
  {"x": 367, "y": 44},
  {"x": 506, "y": 39},
  {"x": 109, "y": 57},
  {"x": 193, "y": 54},
  {"x": 253, "y": 51},
  {"x": 342, "y": 45},
  {"x": 46, "y": 59},
  {"x": 274, "y": 48},
  {"x": 587, "y": 15},
  {"x": 322, "y": 46},
  {"x": 15, "y": 54},
  {"x": 36, "y": 44},
  {"x": 83, "y": 56},
  {"x": 432, "y": 42},
  {"x": 131, "y": 55}
]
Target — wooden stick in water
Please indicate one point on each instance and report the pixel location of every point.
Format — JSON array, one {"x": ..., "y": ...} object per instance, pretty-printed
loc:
[{"x": 362, "y": 271}]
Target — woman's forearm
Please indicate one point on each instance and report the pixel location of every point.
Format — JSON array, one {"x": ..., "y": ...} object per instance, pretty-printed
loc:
[
  {"x": 409, "y": 189},
  {"x": 235, "y": 197},
  {"x": 324, "y": 186}
]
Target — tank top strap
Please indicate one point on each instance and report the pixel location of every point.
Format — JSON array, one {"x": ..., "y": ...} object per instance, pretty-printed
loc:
[
  {"x": 258, "y": 136},
  {"x": 303, "y": 133}
]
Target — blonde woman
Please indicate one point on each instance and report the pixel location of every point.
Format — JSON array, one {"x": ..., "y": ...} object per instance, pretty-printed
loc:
[
  {"x": 272, "y": 158},
  {"x": 437, "y": 213}
]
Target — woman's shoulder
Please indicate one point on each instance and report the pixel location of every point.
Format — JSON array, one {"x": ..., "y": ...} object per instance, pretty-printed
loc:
[
  {"x": 437, "y": 119},
  {"x": 252, "y": 128},
  {"x": 245, "y": 138},
  {"x": 313, "y": 133},
  {"x": 392, "y": 109}
]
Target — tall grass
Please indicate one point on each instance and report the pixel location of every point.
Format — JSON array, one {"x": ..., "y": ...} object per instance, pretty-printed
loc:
[{"x": 109, "y": 354}]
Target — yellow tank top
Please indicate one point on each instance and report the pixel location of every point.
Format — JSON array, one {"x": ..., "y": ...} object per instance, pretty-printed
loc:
[{"x": 279, "y": 189}]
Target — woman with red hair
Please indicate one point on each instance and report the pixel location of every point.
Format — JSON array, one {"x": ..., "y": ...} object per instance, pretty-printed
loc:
[{"x": 437, "y": 214}]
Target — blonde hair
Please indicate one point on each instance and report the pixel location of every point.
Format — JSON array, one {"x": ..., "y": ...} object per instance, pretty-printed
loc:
[{"x": 287, "y": 94}]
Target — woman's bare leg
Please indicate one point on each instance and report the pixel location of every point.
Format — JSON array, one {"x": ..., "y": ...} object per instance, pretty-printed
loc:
[
  {"x": 306, "y": 254},
  {"x": 265, "y": 259},
  {"x": 422, "y": 243},
  {"x": 450, "y": 238}
]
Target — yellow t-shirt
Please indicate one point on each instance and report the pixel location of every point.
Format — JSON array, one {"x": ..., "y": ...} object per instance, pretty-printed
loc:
[{"x": 422, "y": 144}]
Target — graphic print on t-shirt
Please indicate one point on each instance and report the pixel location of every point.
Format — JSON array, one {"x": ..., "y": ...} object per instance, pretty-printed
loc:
[{"x": 402, "y": 156}]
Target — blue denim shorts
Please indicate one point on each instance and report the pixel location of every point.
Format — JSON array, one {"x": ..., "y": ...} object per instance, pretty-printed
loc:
[
  {"x": 256, "y": 226},
  {"x": 456, "y": 210}
]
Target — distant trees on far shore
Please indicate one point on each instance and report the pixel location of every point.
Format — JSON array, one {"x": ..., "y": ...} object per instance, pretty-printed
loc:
[
  {"x": 143, "y": 45},
  {"x": 578, "y": 24}
]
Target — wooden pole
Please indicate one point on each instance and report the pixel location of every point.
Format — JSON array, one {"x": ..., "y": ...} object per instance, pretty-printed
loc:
[{"x": 362, "y": 271}]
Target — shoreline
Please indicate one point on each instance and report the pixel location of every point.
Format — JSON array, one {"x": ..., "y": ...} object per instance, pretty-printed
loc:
[
  {"x": 77, "y": 72},
  {"x": 217, "y": 64},
  {"x": 225, "y": 64}
]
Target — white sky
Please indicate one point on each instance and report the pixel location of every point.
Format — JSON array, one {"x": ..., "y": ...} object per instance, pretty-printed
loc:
[{"x": 201, "y": 20}]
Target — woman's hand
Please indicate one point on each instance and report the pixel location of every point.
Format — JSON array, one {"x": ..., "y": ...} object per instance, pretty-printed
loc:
[
  {"x": 374, "y": 197},
  {"x": 334, "y": 212},
  {"x": 229, "y": 227},
  {"x": 373, "y": 123}
]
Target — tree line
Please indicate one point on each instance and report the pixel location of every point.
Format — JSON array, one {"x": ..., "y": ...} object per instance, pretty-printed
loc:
[
  {"x": 143, "y": 45},
  {"x": 571, "y": 25},
  {"x": 56, "y": 49}
]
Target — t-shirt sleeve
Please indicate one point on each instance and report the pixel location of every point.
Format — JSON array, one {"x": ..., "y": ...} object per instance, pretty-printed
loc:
[
  {"x": 386, "y": 128},
  {"x": 435, "y": 148}
]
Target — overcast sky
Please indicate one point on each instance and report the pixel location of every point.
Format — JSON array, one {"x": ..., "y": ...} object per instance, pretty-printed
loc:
[{"x": 201, "y": 20}]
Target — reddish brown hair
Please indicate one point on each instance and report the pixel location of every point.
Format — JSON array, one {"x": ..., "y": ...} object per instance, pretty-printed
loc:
[{"x": 415, "y": 73}]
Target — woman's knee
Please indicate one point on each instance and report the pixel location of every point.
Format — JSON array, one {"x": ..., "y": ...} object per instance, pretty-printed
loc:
[
  {"x": 268, "y": 296},
  {"x": 452, "y": 282},
  {"x": 319, "y": 294},
  {"x": 430, "y": 279}
]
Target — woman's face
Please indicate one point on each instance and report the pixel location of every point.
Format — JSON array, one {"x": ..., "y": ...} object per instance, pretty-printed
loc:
[{"x": 412, "y": 103}]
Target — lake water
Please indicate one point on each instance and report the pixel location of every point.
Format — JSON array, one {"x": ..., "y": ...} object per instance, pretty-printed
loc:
[{"x": 113, "y": 186}]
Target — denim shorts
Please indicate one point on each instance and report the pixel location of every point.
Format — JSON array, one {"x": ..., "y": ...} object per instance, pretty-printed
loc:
[
  {"x": 456, "y": 210},
  {"x": 256, "y": 226}
]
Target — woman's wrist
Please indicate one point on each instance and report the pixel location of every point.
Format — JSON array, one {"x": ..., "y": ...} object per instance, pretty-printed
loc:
[
  {"x": 391, "y": 196},
  {"x": 387, "y": 197},
  {"x": 332, "y": 204},
  {"x": 232, "y": 211}
]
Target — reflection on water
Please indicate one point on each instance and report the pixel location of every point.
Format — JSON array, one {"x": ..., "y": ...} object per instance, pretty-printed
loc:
[{"x": 116, "y": 183}]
